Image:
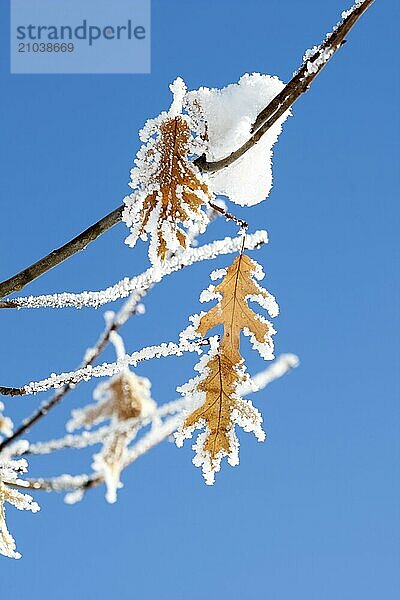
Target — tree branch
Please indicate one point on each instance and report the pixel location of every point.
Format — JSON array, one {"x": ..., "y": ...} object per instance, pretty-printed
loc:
[
  {"x": 128, "y": 309},
  {"x": 266, "y": 118},
  {"x": 300, "y": 83},
  {"x": 21, "y": 279}
]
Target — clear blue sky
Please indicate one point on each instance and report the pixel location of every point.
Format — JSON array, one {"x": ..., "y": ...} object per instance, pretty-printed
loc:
[{"x": 312, "y": 513}]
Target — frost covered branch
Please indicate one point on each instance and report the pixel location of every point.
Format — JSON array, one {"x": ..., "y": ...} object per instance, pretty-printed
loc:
[
  {"x": 105, "y": 369},
  {"x": 313, "y": 62},
  {"x": 130, "y": 307},
  {"x": 141, "y": 283}
]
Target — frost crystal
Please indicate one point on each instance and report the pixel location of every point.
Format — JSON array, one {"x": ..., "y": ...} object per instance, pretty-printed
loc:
[
  {"x": 229, "y": 114},
  {"x": 140, "y": 284},
  {"x": 9, "y": 477}
]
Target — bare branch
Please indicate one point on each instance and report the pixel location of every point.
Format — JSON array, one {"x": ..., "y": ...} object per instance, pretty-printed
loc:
[
  {"x": 299, "y": 84},
  {"x": 21, "y": 279},
  {"x": 229, "y": 217}
]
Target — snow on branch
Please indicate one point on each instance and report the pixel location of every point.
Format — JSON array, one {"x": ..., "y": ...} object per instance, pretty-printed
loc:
[
  {"x": 141, "y": 283},
  {"x": 313, "y": 62},
  {"x": 228, "y": 114}
]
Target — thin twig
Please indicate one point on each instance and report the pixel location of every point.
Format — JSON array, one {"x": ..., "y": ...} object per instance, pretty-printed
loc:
[
  {"x": 84, "y": 482},
  {"x": 299, "y": 84},
  {"x": 266, "y": 118},
  {"x": 242, "y": 224},
  {"x": 280, "y": 367}
]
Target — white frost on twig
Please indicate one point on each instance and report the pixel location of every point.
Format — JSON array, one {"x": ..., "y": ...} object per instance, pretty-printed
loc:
[
  {"x": 110, "y": 369},
  {"x": 139, "y": 285},
  {"x": 179, "y": 407}
]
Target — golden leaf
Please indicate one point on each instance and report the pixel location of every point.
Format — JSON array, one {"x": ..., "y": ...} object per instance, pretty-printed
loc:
[
  {"x": 219, "y": 387},
  {"x": 222, "y": 375},
  {"x": 232, "y": 310}
]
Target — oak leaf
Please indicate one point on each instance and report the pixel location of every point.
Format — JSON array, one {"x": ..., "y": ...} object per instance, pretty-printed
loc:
[
  {"x": 232, "y": 311},
  {"x": 169, "y": 188},
  {"x": 218, "y": 405},
  {"x": 125, "y": 398}
]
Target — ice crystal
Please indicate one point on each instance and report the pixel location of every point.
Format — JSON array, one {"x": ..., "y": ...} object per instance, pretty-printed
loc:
[{"x": 141, "y": 283}]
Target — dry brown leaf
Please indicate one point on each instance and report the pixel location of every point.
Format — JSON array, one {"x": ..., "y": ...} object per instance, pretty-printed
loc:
[
  {"x": 125, "y": 397},
  {"x": 219, "y": 387},
  {"x": 222, "y": 407},
  {"x": 232, "y": 310},
  {"x": 177, "y": 180}
]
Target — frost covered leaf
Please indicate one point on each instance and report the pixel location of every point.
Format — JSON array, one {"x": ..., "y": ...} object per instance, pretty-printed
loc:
[
  {"x": 169, "y": 189},
  {"x": 221, "y": 410},
  {"x": 229, "y": 114},
  {"x": 6, "y": 425},
  {"x": 9, "y": 475},
  {"x": 216, "y": 393},
  {"x": 125, "y": 397},
  {"x": 237, "y": 287}
]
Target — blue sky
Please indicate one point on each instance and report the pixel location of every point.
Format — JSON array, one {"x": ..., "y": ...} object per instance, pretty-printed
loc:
[{"x": 313, "y": 512}]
